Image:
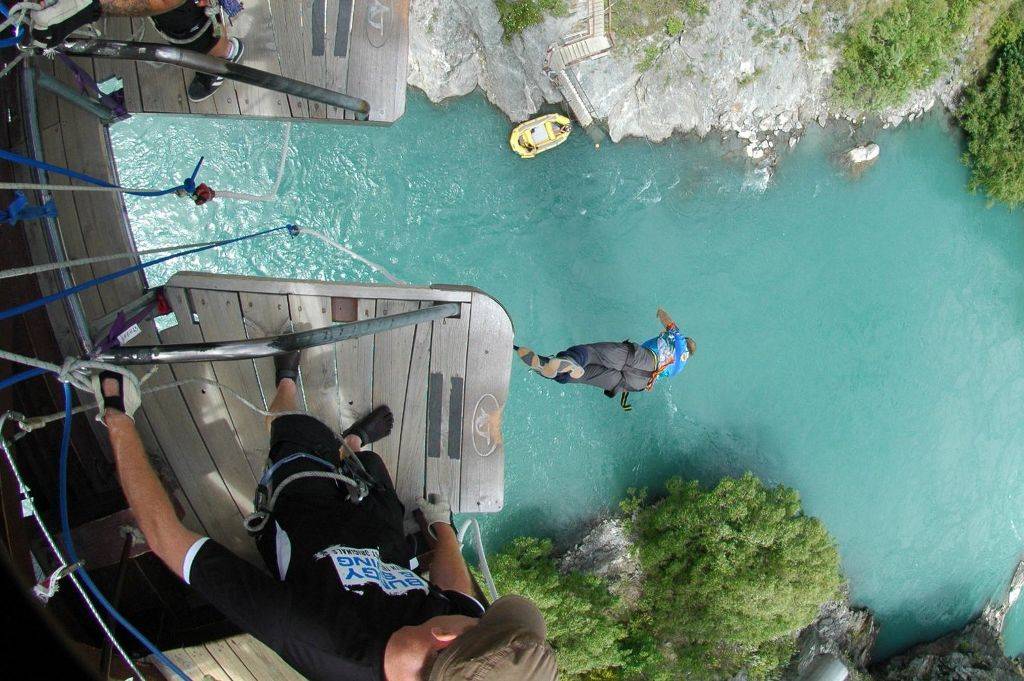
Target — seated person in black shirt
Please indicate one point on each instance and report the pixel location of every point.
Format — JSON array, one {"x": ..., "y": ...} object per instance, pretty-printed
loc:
[{"x": 342, "y": 602}]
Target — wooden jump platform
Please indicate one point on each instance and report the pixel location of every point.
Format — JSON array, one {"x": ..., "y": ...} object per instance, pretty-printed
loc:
[{"x": 357, "y": 47}]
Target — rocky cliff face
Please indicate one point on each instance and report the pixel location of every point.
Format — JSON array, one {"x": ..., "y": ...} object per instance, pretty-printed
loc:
[
  {"x": 759, "y": 68},
  {"x": 841, "y": 631}
]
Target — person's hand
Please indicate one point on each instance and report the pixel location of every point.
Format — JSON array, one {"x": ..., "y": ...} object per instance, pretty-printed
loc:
[
  {"x": 114, "y": 392},
  {"x": 435, "y": 511},
  {"x": 51, "y": 25},
  {"x": 664, "y": 318}
]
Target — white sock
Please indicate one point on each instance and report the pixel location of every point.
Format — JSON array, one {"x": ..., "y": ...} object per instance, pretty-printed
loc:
[{"x": 233, "y": 52}]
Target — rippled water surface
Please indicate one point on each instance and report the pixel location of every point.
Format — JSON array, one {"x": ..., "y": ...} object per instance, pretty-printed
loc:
[{"x": 859, "y": 339}]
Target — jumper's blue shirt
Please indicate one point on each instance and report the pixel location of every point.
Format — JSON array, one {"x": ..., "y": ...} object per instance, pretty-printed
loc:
[{"x": 670, "y": 348}]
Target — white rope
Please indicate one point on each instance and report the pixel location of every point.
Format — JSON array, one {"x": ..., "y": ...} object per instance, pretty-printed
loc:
[
  {"x": 27, "y": 500},
  {"x": 68, "y": 264},
  {"x": 34, "y": 423},
  {"x": 17, "y": 12},
  {"x": 481, "y": 554},
  {"x": 344, "y": 249},
  {"x": 272, "y": 194}
]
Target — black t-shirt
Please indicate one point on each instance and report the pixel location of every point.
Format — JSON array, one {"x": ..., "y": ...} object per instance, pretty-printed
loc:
[{"x": 331, "y": 620}]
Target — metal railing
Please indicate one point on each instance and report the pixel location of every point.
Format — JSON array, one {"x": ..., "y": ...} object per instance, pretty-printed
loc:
[
  {"x": 275, "y": 345},
  {"x": 169, "y": 54}
]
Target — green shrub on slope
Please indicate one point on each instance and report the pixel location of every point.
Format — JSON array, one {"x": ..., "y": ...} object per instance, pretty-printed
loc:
[
  {"x": 517, "y": 15},
  {"x": 731, "y": 574},
  {"x": 905, "y": 47},
  {"x": 579, "y": 610},
  {"x": 993, "y": 117}
]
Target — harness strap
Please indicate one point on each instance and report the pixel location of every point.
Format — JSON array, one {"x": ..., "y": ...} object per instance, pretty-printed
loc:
[{"x": 267, "y": 494}]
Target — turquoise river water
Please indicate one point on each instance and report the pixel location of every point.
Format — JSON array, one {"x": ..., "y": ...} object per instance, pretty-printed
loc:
[{"x": 859, "y": 339}]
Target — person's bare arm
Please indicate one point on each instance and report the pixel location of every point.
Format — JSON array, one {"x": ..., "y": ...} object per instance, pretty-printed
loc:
[
  {"x": 138, "y": 8},
  {"x": 448, "y": 569},
  {"x": 665, "y": 319},
  {"x": 149, "y": 502}
]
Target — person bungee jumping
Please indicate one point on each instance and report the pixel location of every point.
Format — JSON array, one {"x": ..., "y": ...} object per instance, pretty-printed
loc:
[
  {"x": 618, "y": 367},
  {"x": 340, "y": 601},
  {"x": 185, "y": 23}
]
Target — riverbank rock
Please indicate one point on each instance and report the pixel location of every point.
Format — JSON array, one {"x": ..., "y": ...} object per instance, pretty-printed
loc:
[
  {"x": 746, "y": 65},
  {"x": 607, "y": 552},
  {"x": 974, "y": 653},
  {"x": 841, "y": 631},
  {"x": 863, "y": 153}
]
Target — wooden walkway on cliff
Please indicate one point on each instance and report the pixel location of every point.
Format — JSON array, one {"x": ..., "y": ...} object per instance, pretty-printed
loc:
[
  {"x": 592, "y": 40},
  {"x": 358, "y": 47}
]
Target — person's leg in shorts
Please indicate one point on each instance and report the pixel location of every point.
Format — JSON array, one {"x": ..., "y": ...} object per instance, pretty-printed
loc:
[{"x": 189, "y": 23}]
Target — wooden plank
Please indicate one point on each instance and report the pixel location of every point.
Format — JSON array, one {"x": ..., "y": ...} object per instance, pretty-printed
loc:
[
  {"x": 447, "y": 371},
  {"x": 391, "y": 357},
  {"x": 355, "y": 369},
  {"x": 67, "y": 218},
  {"x": 312, "y": 287},
  {"x": 318, "y": 367},
  {"x": 263, "y": 662},
  {"x": 101, "y": 214},
  {"x": 314, "y": 27},
  {"x": 206, "y": 665},
  {"x": 120, "y": 28},
  {"x": 46, "y": 102},
  {"x": 189, "y": 457},
  {"x": 269, "y": 313},
  {"x": 488, "y": 363},
  {"x": 411, "y": 472},
  {"x": 379, "y": 56},
  {"x": 339, "y": 21},
  {"x": 220, "y": 319},
  {"x": 228, "y": 659},
  {"x": 161, "y": 86},
  {"x": 256, "y": 27},
  {"x": 288, "y": 28},
  {"x": 206, "y": 403}
]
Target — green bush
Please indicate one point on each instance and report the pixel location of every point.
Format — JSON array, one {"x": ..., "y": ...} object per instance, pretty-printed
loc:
[
  {"x": 582, "y": 616},
  {"x": 517, "y": 15},
  {"x": 993, "y": 117},
  {"x": 636, "y": 19},
  {"x": 905, "y": 47},
  {"x": 674, "y": 26},
  {"x": 732, "y": 574}
]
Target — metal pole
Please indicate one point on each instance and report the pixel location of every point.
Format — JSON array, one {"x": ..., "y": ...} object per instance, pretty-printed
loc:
[
  {"x": 51, "y": 84},
  {"x": 168, "y": 54},
  {"x": 35, "y": 149},
  {"x": 278, "y": 345}
]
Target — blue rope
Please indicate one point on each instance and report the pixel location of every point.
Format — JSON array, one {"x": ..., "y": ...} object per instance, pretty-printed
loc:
[
  {"x": 69, "y": 545},
  {"x": 45, "y": 300},
  {"x": 188, "y": 185},
  {"x": 20, "y": 210},
  {"x": 23, "y": 376}
]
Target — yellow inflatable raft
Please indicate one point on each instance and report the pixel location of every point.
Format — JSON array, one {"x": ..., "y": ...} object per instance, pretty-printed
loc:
[{"x": 540, "y": 134}]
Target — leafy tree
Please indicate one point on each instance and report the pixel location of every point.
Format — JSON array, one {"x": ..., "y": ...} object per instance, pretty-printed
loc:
[
  {"x": 518, "y": 15},
  {"x": 731, "y": 574},
  {"x": 905, "y": 47},
  {"x": 993, "y": 117},
  {"x": 580, "y": 612}
]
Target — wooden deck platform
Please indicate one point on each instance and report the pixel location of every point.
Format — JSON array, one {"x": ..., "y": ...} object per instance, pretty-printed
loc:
[
  {"x": 445, "y": 381},
  {"x": 358, "y": 47}
]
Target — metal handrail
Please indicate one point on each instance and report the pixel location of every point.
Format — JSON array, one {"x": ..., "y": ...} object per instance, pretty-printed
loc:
[
  {"x": 275, "y": 345},
  {"x": 197, "y": 61}
]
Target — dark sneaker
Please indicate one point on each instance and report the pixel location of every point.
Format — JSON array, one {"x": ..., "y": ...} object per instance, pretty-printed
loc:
[{"x": 204, "y": 85}]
